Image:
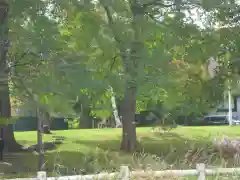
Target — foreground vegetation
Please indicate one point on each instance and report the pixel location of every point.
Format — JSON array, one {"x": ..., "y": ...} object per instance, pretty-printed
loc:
[{"x": 94, "y": 150}]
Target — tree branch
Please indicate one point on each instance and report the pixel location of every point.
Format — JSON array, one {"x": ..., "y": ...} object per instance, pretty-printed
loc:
[
  {"x": 111, "y": 23},
  {"x": 113, "y": 63},
  {"x": 17, "y": 63}
]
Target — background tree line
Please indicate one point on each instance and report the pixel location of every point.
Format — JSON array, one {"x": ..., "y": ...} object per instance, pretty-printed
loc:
[{"x": 67, "y": 55}]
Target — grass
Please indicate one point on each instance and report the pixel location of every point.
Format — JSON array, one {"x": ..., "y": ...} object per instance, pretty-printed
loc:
[{"x": 94, "y": 150}]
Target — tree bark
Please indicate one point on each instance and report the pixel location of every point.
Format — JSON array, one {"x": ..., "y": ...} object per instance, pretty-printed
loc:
[
  {"x": 8, "y": 135},
  {"x": 45, "y": 122},
  {"x": 131, "y": 66},
  {"x": 129, "y": 140},
  {"x": 10, "y": 143},
  {"x": 40, "y": 141},
  {"x": 46, "y": 119},
  {"x": 115, "y": 110},
  {"x": 5, "y": 108}
]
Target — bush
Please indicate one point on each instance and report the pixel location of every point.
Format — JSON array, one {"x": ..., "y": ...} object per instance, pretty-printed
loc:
[{"x": 73, "y": 124}]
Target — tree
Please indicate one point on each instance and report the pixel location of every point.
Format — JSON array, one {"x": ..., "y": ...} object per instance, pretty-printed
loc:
[
  {"x": 121, "y": 44},
  {"x": 5, "y": 105},
  {"x": 24, "y": 53},
  {"x": 130, "y": 31}
]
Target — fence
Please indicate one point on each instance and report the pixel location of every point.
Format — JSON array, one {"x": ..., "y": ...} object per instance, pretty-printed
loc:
[{"x": 126, "y": 174}]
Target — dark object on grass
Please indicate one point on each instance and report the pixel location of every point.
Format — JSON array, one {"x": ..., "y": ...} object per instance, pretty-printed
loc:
[
  {"x": 46, "y": 129},
  {"x": 1, "y": 149}
]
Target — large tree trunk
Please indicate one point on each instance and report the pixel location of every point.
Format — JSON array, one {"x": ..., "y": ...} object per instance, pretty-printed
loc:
[
  {"x": 5, "y": 108},
  {"x": 132, "y": 63},
  {"x": 8, "y": 136},
  {"x": 131, "y": 60},
  {"x": 10, "y": 143},
  {"x": 128, "y": 120}
]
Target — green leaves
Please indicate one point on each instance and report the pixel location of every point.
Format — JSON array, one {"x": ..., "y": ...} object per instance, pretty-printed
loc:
[{"x": 77, "y": 51}]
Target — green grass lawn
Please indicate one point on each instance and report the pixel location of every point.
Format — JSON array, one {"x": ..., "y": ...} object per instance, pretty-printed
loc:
[{"x": 98, "y": 149}]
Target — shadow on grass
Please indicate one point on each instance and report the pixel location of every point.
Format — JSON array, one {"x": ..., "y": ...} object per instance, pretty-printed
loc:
[
  {"x": 157, "y": 144},
  {"x": 171, "y": 146},
  {"x": 109, "y": 145},
  {"x": 46, "y": 146}
]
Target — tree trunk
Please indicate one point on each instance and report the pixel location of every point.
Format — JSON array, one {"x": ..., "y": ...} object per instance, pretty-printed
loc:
[
  {"x": 46, "y": 122},
  {"x": 46, "y": 119},
  {"x": 8, "y": 136},
  {"x": 115, "y": 110},
  {"x": 131, "y": 67},
  {"x": 131, "y": 63},
  {"x": 85, "y": 121},
  {"x": 128, "y": 120},
  {"x": 5, "y": 107},
  {"x": 39, "y": 141},
  {"x": 10, "y": 143}
]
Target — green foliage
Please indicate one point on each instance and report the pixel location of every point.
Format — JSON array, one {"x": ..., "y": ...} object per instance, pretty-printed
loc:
[
  {"x": 69, "y": 50},
  {"x": 73, "y": 124}
]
